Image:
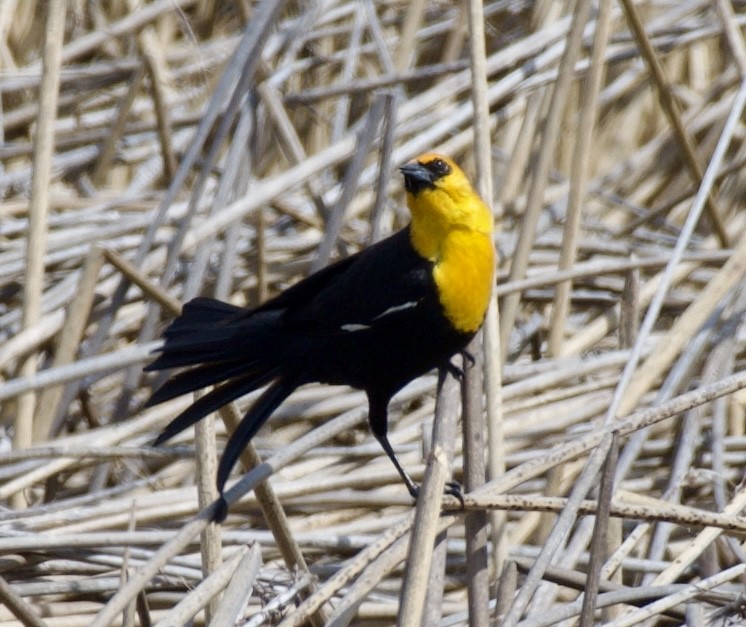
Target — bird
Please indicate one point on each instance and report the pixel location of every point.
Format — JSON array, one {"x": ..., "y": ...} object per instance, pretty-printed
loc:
[{"x": 375, "y": 320}]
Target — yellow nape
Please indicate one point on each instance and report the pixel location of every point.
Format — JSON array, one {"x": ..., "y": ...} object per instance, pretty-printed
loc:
[{"x": 452, "y": 227}]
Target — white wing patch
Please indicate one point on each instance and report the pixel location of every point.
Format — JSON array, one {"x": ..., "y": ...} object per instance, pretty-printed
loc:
[
  {"x": 394, "y": 309},
  {"x": 354, "y": 326}
]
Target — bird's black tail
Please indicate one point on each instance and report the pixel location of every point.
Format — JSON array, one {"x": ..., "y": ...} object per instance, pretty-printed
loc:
[
  {"x": 252, "y": 421},
  {"x": 206, "y": 332},
  {"x": 223, "y": 343}
]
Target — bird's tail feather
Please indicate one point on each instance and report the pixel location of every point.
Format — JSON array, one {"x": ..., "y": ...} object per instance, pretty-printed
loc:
[
  {"x": 200, "y": 377},
  {"x": 209, "y": 331},
  {"x": 199, "y": 312},
  {"x": 251, "y": 423},
  {"x": 214, "y": 400}
]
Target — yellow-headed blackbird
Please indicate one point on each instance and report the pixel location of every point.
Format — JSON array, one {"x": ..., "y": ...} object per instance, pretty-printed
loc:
[{"x": 375, "y": 320}]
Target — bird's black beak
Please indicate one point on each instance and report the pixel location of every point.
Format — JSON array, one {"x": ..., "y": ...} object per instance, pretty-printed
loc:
[{"x": 417, "y": 177}]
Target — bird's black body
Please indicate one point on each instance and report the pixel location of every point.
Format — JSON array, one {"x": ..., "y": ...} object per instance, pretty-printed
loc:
[{"x": 372, "y": 321}]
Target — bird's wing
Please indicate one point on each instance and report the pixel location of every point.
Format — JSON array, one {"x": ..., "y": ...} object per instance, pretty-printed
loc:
[
  {"x": 384, "y": 284},
  {"x": 306, "y": 289}
]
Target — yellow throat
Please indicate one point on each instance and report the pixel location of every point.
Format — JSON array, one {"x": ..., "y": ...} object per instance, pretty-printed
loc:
[{"x": 452, "y": 227}]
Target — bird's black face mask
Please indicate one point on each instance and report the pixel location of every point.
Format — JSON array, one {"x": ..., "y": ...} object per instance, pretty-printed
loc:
[{"x": 419, "y": 176}]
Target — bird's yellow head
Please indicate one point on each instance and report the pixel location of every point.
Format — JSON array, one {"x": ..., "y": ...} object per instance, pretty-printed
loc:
[
  {"x": 441, "y": 199},
  {"x": 452, "y": 227}
]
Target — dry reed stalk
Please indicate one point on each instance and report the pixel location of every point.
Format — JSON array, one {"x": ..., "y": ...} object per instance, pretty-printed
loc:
[
  {"x": 38, "y": 208},
  {"x": 549, "y": 133}
]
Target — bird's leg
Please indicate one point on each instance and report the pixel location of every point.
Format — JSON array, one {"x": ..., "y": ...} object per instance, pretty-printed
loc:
[
  {"x": 456, "y": 372},
  {"x": 452, "y": 488},
  {"x": 413, "y": 488},
  {"x": 378, "y": 420}
]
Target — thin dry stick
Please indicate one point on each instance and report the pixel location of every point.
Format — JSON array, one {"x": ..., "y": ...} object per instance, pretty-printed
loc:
[
  {"x": 207, "y": 464},
  {"x": 18, "y": 607},
  {"x": 385, "y": 152},
  {"x": 445, "y": 419},
  {"x": 289, "y": 139},
  {"x": 704, "y": 538},
  {"x": 346, "y": 609},
  {"x": 635, "y": 422},
  {"x": 495, "y": 426},
  {"x": 505, "y": 589},
  {"x": 629, "y": 310},
  {"x": 473, "y": 415},
  {"x": 405, "y": 50},
  {"x": 686, "y": 326},
  {"x": 692, "y": 591},
  {"x": 233, "y": 182},
  {"x": 550, "y": 133},
  {"x": 183, "y": 612},
  {"x": 342, "y": 109},
  {"x": 477, "y": 563},
  {"x": 421, "y": 540},
  {"x": 600, "y": 532},
  {"x": 627, "y": 505},
  {"x": 668, "y": 103},
  {"x": 365, "y": 140},
  {"x": 108, "y": 147},
  {"x": 153, "y": 56},
  {"x": 69, "y": 340},
  {"x": 520, "y": 150},
  {"x": 128, "y": 616},
  {"x": 36, "y": 242},
  {"x": 134, "y": 275},
  {"x": 579, "y": 174},
  {"x": 732, "y": 34},
  {"x": 624, "y": 400},
  {"x": 238, "y": 590}
]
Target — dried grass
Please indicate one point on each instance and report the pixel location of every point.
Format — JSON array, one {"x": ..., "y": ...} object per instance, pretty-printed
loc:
[{"x": 229, "y": 148}]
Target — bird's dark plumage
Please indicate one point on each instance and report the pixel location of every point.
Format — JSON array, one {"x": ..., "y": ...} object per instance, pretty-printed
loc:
[{"x": 375, "y": 321}]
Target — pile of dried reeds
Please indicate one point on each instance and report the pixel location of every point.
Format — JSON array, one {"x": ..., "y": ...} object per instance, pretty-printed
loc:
[{"x": 155, "y": 151}]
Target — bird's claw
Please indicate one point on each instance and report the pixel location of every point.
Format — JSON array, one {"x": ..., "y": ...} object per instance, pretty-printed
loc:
[
  {"x": 455, "y": 371},
  {"x": 452, "y": 488},
  {"x": 467, "y": 356}
]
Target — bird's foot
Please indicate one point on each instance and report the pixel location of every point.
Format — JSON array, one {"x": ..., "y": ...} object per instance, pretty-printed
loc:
[
  {"x": 452, "y": 488},
  {"x": 455, "y": 371}
]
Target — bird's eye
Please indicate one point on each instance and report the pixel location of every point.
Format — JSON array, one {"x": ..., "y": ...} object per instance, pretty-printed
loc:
[{"x": 439, "y": 167}]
